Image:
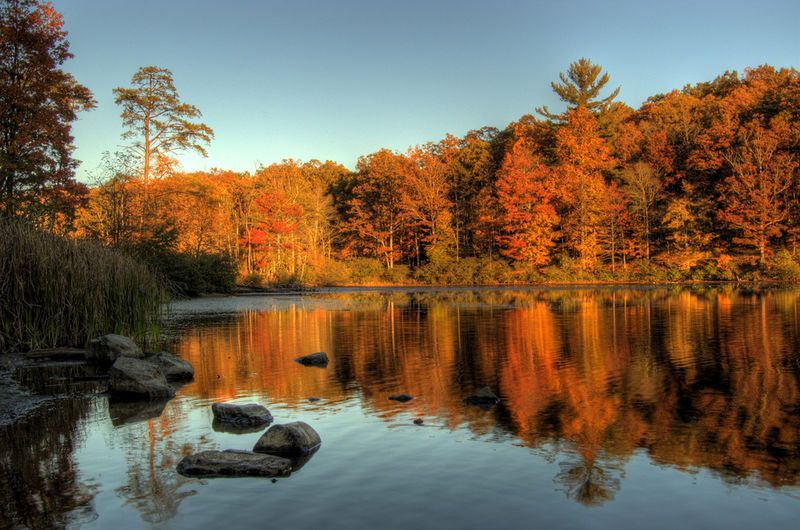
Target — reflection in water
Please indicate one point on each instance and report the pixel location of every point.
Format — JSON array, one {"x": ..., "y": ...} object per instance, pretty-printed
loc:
[
  {"x": 40, "y": 486},
  {"x": 153, "y": 486},
  {"x": 701, "y": 378},
  {"x": 695, "y": 379}
]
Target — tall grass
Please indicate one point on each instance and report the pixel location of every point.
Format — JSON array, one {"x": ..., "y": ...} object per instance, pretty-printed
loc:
[{"x": 61, "y": 292}]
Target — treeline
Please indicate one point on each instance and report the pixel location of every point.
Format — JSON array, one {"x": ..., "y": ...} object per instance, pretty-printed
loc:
[{"x": 699, "y": 183}]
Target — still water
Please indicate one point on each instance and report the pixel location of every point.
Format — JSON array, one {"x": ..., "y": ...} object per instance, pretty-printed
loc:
[{"x": 621, "y": 408}]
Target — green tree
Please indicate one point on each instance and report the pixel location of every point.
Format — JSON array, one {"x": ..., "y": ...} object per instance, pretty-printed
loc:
[
  {"x": 38, "y": 103},
  {"x": 580, "y": 86},
  {"x": 153, "y": 113}
]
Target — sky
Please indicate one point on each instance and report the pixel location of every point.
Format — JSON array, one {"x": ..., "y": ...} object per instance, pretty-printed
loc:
[{"x": 337, "y": 79}]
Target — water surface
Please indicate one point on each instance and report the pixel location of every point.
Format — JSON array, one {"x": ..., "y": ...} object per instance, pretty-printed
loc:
[{"x": 621, "y": 408}]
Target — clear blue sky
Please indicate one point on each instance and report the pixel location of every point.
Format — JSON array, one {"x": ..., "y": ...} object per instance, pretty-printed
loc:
[{"x": 337, "y": 79}]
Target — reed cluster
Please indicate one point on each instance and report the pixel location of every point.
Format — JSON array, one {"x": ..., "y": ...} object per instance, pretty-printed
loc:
[{"x": 56, "y": 291}]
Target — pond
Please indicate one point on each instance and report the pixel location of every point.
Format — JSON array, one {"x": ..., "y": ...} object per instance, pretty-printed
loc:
[{"x": 620, "y": 408}]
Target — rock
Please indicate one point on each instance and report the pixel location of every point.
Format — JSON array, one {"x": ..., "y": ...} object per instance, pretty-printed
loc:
[
  {"x": 126, "y": 412},
  {"x": 484, "y": 396},
  {"x": 319, "y": 359},
  {"x": 138, "y": 377},
  {"x": 174, "y": 368},
  {"x": 313, "y": 399},
  {"x": 234, "y": 463},
  {"x": 243, "y": 415},
  {"x": 419, "y": 421},
  {"x": 402, "y": 398},
  {"x": 109, "y": 348},
  {"x": 291, "y": 439}
]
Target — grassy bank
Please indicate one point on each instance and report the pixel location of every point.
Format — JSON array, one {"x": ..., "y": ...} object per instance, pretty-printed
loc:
[
  {"x": 782, "y": 267},
  {"x": 61, "y": 292}
]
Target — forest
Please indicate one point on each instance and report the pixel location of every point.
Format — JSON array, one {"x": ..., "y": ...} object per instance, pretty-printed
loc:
[{"x": 698, "y": 183}]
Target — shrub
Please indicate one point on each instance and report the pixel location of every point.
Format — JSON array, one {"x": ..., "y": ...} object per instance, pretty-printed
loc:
[
  {"x": 192, "y": 275},
  {"x": 62, "y": 292},
  {"x": 784, "y": 266},
  {"x": 331, "y": 272},
  {"x": 365, "y": 270}
]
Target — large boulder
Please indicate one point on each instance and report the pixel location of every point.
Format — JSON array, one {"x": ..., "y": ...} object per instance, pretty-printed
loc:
[
  {"x": 109, "y": 348},
  {"x": 243, "y": 415},
  {"x": 234, "y": 463},
  {"x": 174, "y": 368},
  {"x": 292, "y": 439},
  {"x": 131, "y": 377},
  {"x": 319, "y": 359}
]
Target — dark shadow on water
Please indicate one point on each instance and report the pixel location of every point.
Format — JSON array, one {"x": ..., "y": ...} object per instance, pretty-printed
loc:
[{"x": 123, "y": 412}]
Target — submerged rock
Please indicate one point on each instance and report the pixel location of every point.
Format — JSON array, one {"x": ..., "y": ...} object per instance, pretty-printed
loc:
[
  {"x": 131, "y": 377},
  {"x": 419, "y": 421},
  {"x": 241, "y": 415},
  {"x": 402, "y": 398},
  {"x": 319, "y": 359},
  {"x": 234, "y": 463},
  {"x": 292, "y": 439},
  {"x": 109, "y": 348},
  {"x": 174, "y": 368},
  {"x": 484, "y": 396},
  {"x": 313, "y": 399}
]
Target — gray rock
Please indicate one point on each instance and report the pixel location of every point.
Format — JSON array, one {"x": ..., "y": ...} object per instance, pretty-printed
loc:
[
  {"x": 484, "y": 396},
  {"x": 174, "y": 368},
  {"x": 291, "y": 439},
  {"x": 232, "y": 428},
  {"x": 319, "y": 359},
  {"x": 402, "y": 398},
  {"x": 138, "y": 378},
  {"x": 234, "y": 463},
  {"x": 246, "y": 414},
  {"x": 109, "y": 348}
]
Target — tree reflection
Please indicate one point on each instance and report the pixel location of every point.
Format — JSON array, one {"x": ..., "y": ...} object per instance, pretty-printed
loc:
[
  {"x": 700, "y": 377},
  {"x": 153, "y": 486},
  {"x": 589, "y": 479},
  {"x": 40, "y": 486}
]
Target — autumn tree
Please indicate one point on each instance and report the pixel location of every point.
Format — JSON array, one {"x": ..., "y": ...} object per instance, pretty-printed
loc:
[
  {"x": 426, "y": 204},
  {"x": 375, "y": 214},
  {"x": 154, "y": 115},
  {"x": 642, "y": 184},
  {"x": 583, "y": 156},
  {"x": 39, "y": 102},
  {"x": 757, "y": 192},
  {"x": 580, "y": 86},
  {"x": 525, "y": 195}
]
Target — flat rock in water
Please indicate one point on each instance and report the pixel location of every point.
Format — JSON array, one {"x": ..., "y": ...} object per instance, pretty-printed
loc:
[
  {"x": 131, "y": 377},
  {"x": 291, "y": 439},
  {"x": 174, "y": 368},
  {"x": 243, "y": 415},
  {"x": 319, "y": 359},
  {"x": 234, "y": 463},
  {"x": 109, "y": 348},
  {"x": 484, "y": 396},
  {"x": 402, "y": 398}
]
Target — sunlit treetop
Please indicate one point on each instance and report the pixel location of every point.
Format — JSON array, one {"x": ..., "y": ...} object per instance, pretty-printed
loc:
[{"x": 580, "y": 86}]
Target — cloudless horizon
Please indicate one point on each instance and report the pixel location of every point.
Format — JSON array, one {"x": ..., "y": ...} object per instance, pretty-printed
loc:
[{"x": 337, "y": 80}]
